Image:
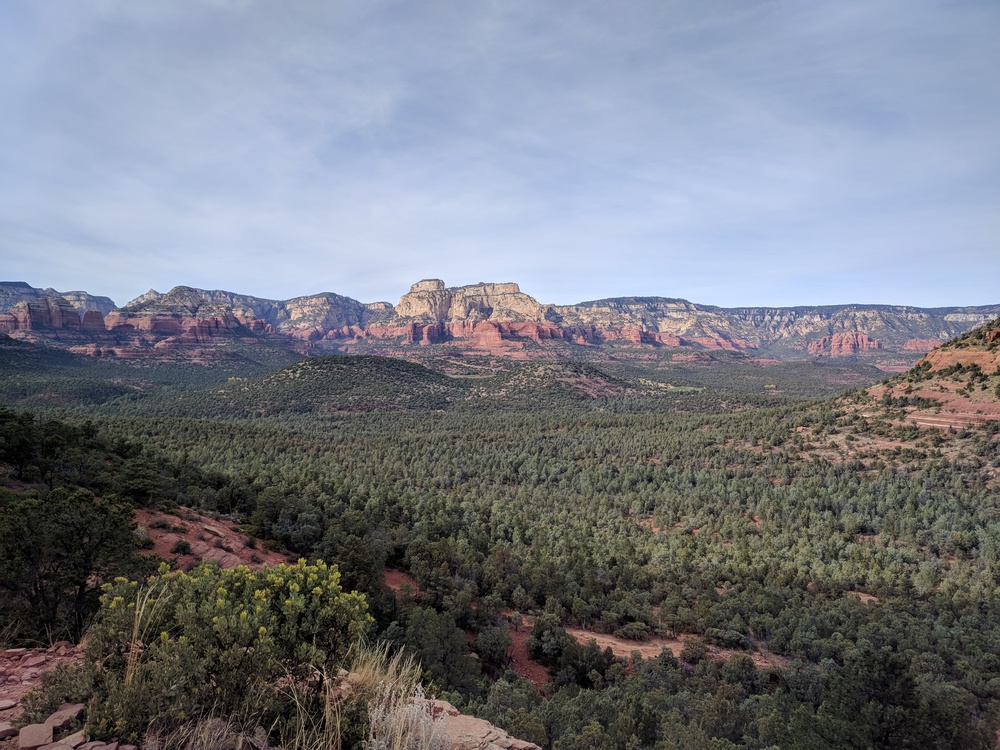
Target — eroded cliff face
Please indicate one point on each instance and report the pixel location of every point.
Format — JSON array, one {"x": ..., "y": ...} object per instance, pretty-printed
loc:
[
  {"x": 200, "y": 313},
  {"x": 980, "y": 349},
  {"x": 13, "y": 292},
  {"x": 844, "y": 344},
  {"x": 430, "y": 300},
  {"x": 486, "y": 318}
]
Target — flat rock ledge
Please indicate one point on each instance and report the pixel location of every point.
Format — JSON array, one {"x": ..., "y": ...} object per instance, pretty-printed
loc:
[{"x": 469, "y": 733}]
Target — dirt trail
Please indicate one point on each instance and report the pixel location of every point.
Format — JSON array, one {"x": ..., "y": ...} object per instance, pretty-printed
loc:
[
  {"x": 651, "y": 648},
  {"x": 521, "y": 661}
]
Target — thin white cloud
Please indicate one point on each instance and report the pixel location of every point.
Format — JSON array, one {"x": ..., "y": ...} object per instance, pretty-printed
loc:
[{"x": 735, "y": 153}]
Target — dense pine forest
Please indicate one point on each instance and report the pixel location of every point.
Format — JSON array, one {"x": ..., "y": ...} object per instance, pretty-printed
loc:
[{"x": 729, "y": 506}]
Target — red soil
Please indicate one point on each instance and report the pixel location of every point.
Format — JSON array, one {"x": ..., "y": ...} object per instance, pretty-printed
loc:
[
  {"x": 956, "y": 410},
  {"x": 209, "y": 540},
  {"x": 520, "y": 660},
  {"x": 651, "y": 648},
  {"x": 394, "y": 579}
]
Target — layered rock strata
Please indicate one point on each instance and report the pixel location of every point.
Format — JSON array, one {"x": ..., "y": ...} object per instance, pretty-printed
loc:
[{"x": 486, "y": 317}]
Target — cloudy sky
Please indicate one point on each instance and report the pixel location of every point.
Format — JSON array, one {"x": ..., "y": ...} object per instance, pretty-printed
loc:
[{"x": 729, "y": 152}]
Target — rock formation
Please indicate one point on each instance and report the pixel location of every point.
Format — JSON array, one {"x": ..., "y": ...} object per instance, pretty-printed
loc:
[
  {"x": 487, "y": 318},
  {"x": 979, "y": 348},
  {"x": 430, "y": 300},
  {"x": 469, "y": 733},
  {"x": 12, "y": 292},
  {"x": 52, "y": 313},
  {"x": 987, "y": 361},
  {"x": 843, "y": 345}
]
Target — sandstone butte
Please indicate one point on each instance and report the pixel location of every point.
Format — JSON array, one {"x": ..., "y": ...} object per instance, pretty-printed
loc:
[{"x": 493, "y": 318}]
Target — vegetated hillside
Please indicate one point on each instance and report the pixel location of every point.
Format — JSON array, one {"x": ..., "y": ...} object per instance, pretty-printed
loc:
[
  {"x": 235, "y": 384},
  {"x": 550, "y": 383},
  {"x": 41, "y": 376},
  {"x": 873, "y": 580},
  {"x": 347, "y": 384},
  {"x": 67, "y": 496},
  {"x": 734, "y": 373},
  {"x": 35, "y": 376},
  {"x": 954, "y": 386},
  {"x": 945, "y": 406},
  {"x": 332, "y": 384},
  {"x": 864, "y": 578}
]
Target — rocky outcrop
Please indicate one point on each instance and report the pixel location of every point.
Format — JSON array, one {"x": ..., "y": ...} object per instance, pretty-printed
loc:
[
  {"x": 987, "y": 361},
  {"x": 21, "y": 669},
  {"x": 484, "y": 318},
  {"x": 13, "y": 292},
  {"x": 978, "y": 348},
  {"x": 60, "y": 731},
  {"x": 843, "y": 345},
  {"x": 50, "y": 313},
  {"x": 431, "y": 300},
  {"x": 920, "y": 345},
  {"x": 187, "y": 317},
  {"x": 469, "y": 733},
  {"x": 308, "y": 318}
]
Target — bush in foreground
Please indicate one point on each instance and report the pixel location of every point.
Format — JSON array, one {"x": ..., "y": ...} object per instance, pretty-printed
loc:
[{"x": 254, "y": 646}]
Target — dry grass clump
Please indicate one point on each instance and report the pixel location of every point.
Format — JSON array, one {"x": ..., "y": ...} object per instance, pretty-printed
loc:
[
  {"x": 378, "y": 704},
  {"x": 207, "y": 734},
  {"x": 402, "y": 719}
]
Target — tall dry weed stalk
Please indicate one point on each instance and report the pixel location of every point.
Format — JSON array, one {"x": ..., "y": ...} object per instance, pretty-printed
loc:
[
  {"x": 206, "y": 734},
  {"x": 149, "y": 602},
  {"x": 402, "y": 719}
]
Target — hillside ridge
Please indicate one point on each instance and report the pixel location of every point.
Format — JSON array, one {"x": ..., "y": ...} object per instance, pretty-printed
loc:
[{"x": 496, "y": 319}]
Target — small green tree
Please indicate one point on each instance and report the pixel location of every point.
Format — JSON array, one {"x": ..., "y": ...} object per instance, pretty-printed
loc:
[{"x": 55, "y": 551}]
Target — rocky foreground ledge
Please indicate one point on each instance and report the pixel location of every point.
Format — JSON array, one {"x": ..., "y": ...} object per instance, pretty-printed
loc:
[{"x": 21, "y": 670}]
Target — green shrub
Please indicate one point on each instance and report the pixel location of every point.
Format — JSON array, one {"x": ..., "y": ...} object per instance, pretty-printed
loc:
[
  {"x": 694, "y": 650},
  {"x": 67, "y": 683},
  {"x": 634, "y": 631},
  {"x": 184, "y": 646},
  {"x": 181, "y": 547}
]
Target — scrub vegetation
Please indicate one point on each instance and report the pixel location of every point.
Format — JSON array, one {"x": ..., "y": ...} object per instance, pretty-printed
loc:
[{"x": 859, "y": 550}]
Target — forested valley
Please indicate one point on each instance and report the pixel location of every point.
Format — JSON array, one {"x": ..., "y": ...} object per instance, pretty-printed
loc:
[{"x": 744, "y": 519}]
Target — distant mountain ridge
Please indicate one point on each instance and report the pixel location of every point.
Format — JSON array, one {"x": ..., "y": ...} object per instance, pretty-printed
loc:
[
  {"x": 14, "y": 292},
  {"x": 491, "y": 318}
]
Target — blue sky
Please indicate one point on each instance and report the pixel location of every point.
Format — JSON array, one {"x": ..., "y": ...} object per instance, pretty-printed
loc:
[{"x": 730, "y": 153}]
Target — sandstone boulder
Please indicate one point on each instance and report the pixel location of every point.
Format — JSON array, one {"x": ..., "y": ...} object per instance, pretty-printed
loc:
[
  {"x": 469, "y": 733},
  {"x": 65, "y": 715},
  {"x": 34, "y": 736},
  {"x": 75, "y": 740}
]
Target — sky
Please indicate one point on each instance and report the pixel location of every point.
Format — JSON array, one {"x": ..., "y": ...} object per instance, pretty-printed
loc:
[{"x": 732, "y": 152}]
